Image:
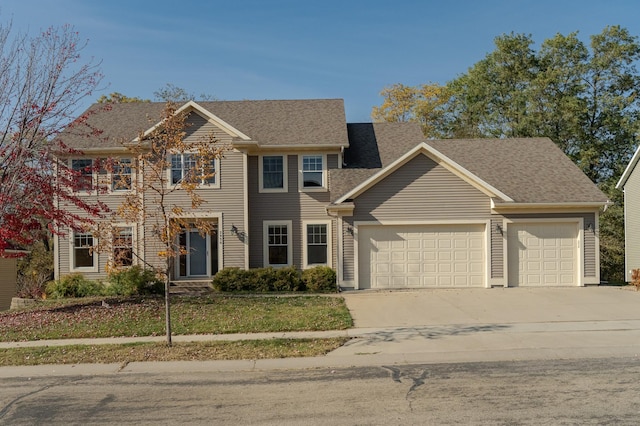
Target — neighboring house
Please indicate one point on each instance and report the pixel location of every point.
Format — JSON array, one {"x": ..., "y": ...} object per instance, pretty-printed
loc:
[
  {"x": 376, "y": 202},
  {"x": 630, "y": 184},
  {"x": 8, "y": 280}
]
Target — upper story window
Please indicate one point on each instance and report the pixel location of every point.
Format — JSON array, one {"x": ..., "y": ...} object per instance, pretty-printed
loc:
[
  {"x": 185, "y": 168},
  {"x": 273, "y": 173},
  {"x": 121, "y": 175},
  {"x": 313, "y": 172},
  {"x": 103, "y": 174},
  {"x": 83, "y": 170}
]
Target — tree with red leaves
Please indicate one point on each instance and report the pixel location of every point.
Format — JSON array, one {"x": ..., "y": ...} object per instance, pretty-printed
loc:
[{"x": 42, "y": 83}]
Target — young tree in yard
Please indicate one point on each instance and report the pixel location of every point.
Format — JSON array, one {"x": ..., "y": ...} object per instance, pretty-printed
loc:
[
  {"x": 42, "y": 82},
  {"x": 169, "y": 168}
]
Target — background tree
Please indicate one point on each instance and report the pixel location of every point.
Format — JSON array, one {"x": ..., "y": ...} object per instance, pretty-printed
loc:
[
  {"x": 582, "y": 96},
  {"x": 152, "y": 200},
  {"x": 173, "y": 93},
  {"x": 42, "y": 82},
  {"x": 119, "y": 98},
  {"x": 422, "y": 104}
]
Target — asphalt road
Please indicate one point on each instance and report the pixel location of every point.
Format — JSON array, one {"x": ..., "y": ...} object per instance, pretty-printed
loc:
[{"x": 592, "y": 391}]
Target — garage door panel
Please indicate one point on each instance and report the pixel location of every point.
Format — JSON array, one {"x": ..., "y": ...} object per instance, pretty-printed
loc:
[
  {"x": 543, "y": 254},
  {"x": 422, "y": 256}
]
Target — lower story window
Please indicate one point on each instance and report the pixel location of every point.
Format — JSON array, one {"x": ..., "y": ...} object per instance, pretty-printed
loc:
[
  {"x": 278, "y": 251},
  {"x": 83, "y": 256},
  {"x": 317, "y": 244},
  {"x": 123, "y": 246}
]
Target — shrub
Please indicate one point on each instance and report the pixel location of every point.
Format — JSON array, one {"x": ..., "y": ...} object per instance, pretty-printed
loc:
[
  {"x": 74, "y": 285},
  {"x": 134, "y": 281},
  {"x": 231, "y": 279},
  {"x": 35, "y": 270},
  {"x": 320, "y": 279},
  {"x": 287, "y": 279}
]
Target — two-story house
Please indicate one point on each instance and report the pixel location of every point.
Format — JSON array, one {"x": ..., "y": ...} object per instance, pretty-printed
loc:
[{"x": 379, "y": 204}]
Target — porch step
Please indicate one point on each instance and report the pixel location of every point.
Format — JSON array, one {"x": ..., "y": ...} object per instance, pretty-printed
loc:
[{"x": 191, "y": 288}]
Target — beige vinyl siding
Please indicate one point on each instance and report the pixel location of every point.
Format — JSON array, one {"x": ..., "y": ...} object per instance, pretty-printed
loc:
[
  {"x": 8, "y": 275},
  {"x": 113, "y": 201},
  {"x": 632, "y": 222},
  {"x": 590, "y": 266},
  {"x": 227, "y": 200},
  {"x": 497, "y": 249},
  {"x": 422, "y": 191},
  {"x": 292, "y": 205}
]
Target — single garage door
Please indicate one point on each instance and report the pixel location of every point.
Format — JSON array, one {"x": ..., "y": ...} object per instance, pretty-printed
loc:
[
  {"x": 413, "y": 256},
  {"x": 543, "y": 254}
]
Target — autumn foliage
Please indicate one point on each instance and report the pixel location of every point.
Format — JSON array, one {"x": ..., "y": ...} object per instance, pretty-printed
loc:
[{"x": 42, "y": 82}]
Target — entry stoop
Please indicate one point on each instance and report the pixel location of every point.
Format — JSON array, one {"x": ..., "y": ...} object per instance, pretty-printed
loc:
[{"x": 190, "y": 288}]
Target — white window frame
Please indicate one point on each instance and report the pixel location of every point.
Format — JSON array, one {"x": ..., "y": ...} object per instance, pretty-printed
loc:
[
  {"x": 301, "y": 172},
  {"x": 305, "y": 243},
  {"x": 216, "y": 176},
  {"x": 285, "y": 174},
  {"x": 117, "y": 226},
  {"x": 265, "y": 236},
  {"x": 72, "y": 253},
  {"x": 94, "y": 177}
]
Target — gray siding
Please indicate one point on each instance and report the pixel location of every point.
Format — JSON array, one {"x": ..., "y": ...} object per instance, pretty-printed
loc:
[
  {"x": 422, "y": 190},
  {"x": 292, "y": 205},
  {"x": 348, "y": 254},
  {"x": 632, "y": 222},
  {"x": 8, "y": 274},
  {"x": 590, "y": 265},
  {"x": 497, "y": 249}
]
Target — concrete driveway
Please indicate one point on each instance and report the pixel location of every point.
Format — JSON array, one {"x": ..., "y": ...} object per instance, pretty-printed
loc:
[
  {"x": 489, "y": 306},
  {"x": 497, "y": 324}
]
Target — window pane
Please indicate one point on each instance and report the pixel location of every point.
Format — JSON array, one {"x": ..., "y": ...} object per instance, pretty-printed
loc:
[
  {"x": 317, "y": 255},
  {"x": 278, "y": 245},
  {"x": 312, "y": 172},
  {"x": 176, "y": 168},
  {"x": 273, "y": 172},
  {"x": 209, "y": 173},
  {"x": 278, "y": 255},
  {"x": 123, "y": 246},
  {"x": 316, "y": 244},
  {"x": 121, "y": 177},
  {"x": 82, "y": 250},
  {"x": 84, "y": 174}
]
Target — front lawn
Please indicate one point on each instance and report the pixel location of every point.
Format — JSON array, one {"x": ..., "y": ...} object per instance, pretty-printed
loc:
[{"x": 144, "y": 316}]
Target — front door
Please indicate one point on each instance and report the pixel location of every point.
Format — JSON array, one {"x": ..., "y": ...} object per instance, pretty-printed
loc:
[{"x": 201, "y": 254}]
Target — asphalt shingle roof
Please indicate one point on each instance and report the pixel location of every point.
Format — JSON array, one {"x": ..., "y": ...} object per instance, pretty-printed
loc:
[
  {"x": 529, "y": 170},
  {"x": 279, "y": 122}
]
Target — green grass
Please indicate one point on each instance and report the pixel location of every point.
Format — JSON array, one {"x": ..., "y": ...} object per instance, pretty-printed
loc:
[
  {"x": 85, "y": 318},
  {"x": 144, "y": 352}
]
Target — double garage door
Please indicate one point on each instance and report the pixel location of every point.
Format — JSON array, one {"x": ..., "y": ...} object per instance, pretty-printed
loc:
[
  {"x": 454, "y": 256},
  {"x": 415, "y": 256}
]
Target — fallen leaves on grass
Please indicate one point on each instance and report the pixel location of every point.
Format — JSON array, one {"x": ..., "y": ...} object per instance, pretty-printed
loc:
[{"x": 196, "y": 351}]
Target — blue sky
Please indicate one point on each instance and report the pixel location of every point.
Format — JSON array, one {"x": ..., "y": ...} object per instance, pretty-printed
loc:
[{"x": 298, "y": 49}]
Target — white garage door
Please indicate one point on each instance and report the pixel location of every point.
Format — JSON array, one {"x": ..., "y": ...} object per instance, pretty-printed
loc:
[
  {"x": 543, "y": 254},
  {"x": 413, "y": 256}
]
